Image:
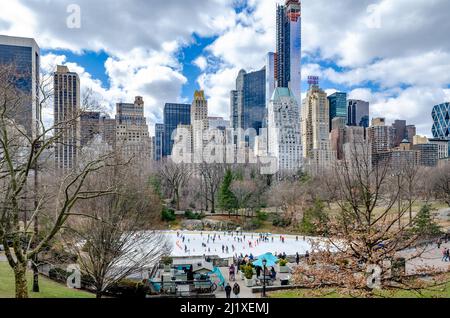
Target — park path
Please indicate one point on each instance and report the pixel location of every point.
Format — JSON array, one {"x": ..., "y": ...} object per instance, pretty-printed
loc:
[
  {"x": 246, "y": 292},
  {"x": 431, "y": 256}
]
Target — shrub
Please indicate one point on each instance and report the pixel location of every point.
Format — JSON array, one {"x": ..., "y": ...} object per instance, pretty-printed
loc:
[
  {"x": 128, "y": 289},
  {"x": 283, "y": 262},
  {"x": 281, "y": 222},
  {"x": 256, "y": 223},
  {"x": 167, "y": 260},
  {"x": 193, "y": 216},
  {"x": 248, "y": 271},
  {"x": 168, "y": 215},
  {"x": 262, "y": 216}
]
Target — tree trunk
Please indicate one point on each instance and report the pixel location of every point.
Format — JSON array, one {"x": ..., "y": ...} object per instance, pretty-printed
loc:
[
  {"x": 21, "y": 280},
  {"x": 177, "y": 198},
  {"x": 35, "y": 275}
]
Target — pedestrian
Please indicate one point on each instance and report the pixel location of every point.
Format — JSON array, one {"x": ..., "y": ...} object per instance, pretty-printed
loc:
[
  {"x": 445, "y": 255},
  {"x": 228, "y": 290},
  {"x": 236, "y": 290},
  {"x": 297, "y": 258},
  {"x": 307, "y": 257},
  {"x": 258, "y": 271},
  {"x": 232, "y": 276}
]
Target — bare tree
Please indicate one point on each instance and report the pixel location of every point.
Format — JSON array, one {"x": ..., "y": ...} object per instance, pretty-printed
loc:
[
  {"x": 117, "y": 240},
  {"x": 364, "y": 232},
  {"x": 290, "y": 196},
  {"x": 212, "y": 176},
  {"x": 244, "y": 191},
  {"x": 174, "y": 176},
  {"x": 441, "y": 183},
  {"x": 21, "y": 151}
]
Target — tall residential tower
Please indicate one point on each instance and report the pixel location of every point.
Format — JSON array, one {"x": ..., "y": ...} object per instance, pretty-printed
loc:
[
  {"x": 288, "y": 47},
  {"x": 66, "y": 117}
]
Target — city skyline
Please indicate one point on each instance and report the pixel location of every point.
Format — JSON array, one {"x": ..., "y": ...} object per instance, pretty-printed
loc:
[{"x": 209, "y": 55}]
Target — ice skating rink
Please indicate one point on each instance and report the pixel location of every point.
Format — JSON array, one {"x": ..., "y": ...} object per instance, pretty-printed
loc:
[{"x": 196, "y": 243}]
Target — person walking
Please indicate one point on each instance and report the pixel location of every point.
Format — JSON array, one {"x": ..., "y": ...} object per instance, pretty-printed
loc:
[
  {"x": 307, "y": 257},
  {"x": 228, "y": 290},
  {"x": 232, "y": 276},
  {"x": 236, "y": 290},
  {"x": 445, "y": 255},
  {"x": 297, "y": 258}
]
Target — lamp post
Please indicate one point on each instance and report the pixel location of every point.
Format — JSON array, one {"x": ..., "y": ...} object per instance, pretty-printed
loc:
[{"x": 264, "y": 262}]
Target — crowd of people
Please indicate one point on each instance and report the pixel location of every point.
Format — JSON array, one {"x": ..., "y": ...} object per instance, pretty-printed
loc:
[{"x": 229, "y": 243}]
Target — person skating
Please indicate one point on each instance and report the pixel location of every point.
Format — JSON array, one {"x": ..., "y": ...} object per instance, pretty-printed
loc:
[{"x": 228, "y": 290}]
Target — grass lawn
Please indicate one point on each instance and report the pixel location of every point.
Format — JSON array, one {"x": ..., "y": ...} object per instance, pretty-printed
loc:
[
  {"x": 432, "y": 292},
  {"x": 49, "y": 288}
]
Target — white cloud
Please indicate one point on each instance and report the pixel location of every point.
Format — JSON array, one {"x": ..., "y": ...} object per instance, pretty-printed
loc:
[
  {"x": 201, "y": 63},
  {"x": 407, "y": 57}
]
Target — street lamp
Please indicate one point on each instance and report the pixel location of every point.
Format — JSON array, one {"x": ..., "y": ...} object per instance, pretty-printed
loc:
[{"x": 264, "y": 262}]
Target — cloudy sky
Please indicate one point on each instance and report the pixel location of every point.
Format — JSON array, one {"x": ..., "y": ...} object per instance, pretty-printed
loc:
[{"x": 393, "y": 53}]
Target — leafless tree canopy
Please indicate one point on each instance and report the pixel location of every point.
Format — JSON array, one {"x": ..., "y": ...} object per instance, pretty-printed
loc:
[{"x": 21, "y": 205}]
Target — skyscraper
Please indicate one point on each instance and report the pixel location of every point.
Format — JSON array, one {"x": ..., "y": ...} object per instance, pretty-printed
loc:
[
  {"x": 441, "y": 121},
  {"x": 159, "y": 141},
  {"x": 174, "y": 115},
  {"x": 315, "y": 129},
  {"x": 288, "y": 47},
  {"x": 315, "y": 118},
  {"x": 284, "y": 142},
  {"x": 338, "y": 106},
  {"x": 24, "y": 55},
  {"x": 270, "y": 77},
  {"x": 358, "y": 113},
  {"x": 248, "y": 108},
  {"x": 89, "y": 126},
  {"x": 399, "y": 132},
  {"x": 66, "y": 114},
  {"x": 132, "y": 136},
  {"x": 200, "y": 124},
  {"x": 380, "y": 137}
]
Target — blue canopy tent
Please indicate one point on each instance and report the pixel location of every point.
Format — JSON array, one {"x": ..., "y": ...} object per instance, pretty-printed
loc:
[{"x": 271, "y": 260}]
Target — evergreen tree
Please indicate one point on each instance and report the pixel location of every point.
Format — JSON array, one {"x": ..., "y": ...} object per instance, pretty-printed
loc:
[
  {"x": 424, "y": 225},
  {"x": 315, "y": 220},
  {"x": 227, "y": 200}
]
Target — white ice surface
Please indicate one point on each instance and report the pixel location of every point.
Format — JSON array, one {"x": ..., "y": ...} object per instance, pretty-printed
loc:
[{"x": 194, "y": 240}]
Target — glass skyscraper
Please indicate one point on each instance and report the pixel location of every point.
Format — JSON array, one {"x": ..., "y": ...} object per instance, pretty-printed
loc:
[
  {"x": 441, "y": 121},
  {"x": 289, "y": 46},
  {"x": 338, "y": 106},
  {"x": 24, "y": 55},
  {"x": 248, "y": 101},
  {"x": 358, "y": 113},
  {"x": 174, "y": 115},
  {"x": 159, "y": 141}
]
